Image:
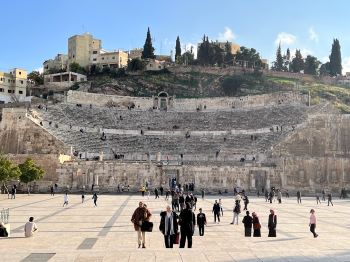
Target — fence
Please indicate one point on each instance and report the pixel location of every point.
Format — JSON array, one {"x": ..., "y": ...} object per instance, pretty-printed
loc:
[{"x": 5, "y": 215}]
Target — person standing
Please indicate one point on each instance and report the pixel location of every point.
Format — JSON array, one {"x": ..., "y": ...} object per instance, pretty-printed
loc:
[
  {"x": 203, "y": 193},
  {"x": 266, "y": 195},
  {"x": 299, "y": 197},
  {"x": 216, "y": 211},
  {"x": 256, "y": 225},
  {"x": 13, "y": 192},
  {"x": 168, "y": 226},
  {"x": 279, "y": 197},
  {"x": 271, "y": 195},
  {"x": 161, "y": 189},
  {"x": 187, "y": 222},
  {"x": 52, "y": 191},
  {"x": 94, "y": 197},
  {"x": 143, "y": 189},
  {"x": 246, "y": 202},
  {"x": 221, "y": 209},
  {"x": 330, "y": 199},
  {"x": 323, "y": 195},
  {"x": 65, "y": 200},
  {"x": 318, "y": 201},
  {"x": 140, "y": 215},
  {"x": 201, "y": 222},
  {"x": 312, "y": 223},
  {"x": 181, "y": 201},
  {"x": 272, "y": 224},
  {"x": 156, "y": 193},
  {"x": 167, "y": 195},
  {"x": 236, "y": 212},
  {"x": 30, "y": 227},
  {"x": 248, "y": 222}
]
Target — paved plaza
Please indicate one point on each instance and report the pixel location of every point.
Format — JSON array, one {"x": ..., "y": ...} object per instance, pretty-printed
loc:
[{"x": 82, "y": 232}]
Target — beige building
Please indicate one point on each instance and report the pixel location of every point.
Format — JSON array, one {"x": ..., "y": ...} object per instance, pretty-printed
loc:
[
  {"x": 81, "y": 47},
  {"x": 234, "y": 47},
  {"x": 154, "y": 65},
  {"x": 13, "y": 86},
  {"x": 59, "y": 63},
  {"x": 135, "y": 53},
  {"x": 114, "y": 59},
  {"x": 64, "y": 80}
]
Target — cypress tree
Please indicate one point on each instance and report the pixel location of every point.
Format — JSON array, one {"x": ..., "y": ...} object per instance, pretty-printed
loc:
[
  {"x": 278, "y": 64},
  {"x": 297, "y": 62},
  {"x": 335, "y": 59},
  {"x": 148, "y": 50},
  {"x": 177, "y": 49}
]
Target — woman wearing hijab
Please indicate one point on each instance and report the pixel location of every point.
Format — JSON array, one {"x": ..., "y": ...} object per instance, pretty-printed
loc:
[{"x": 256, "y": 225}]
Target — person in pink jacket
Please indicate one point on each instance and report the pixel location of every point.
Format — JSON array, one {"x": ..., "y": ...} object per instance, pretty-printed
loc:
[{"x": 312, "y": 223}]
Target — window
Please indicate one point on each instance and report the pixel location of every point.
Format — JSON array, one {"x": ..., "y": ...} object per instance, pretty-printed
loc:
[
  {"x": 94, "y": 59},
  {"x": 20, "y": 92},
  {"x": 9, "y": 91},
  {"x": 22, "y": 82},
  {"x": 20, "y": 72},
  {"x": 9, "y": 80},
  {"x": 103, "y": 58},
  {"x": 94, "y": 52},
  {"x": 113, "y": 57},
  {"x": 1, "y": 90},
  {"x": 150, "y": 65}
]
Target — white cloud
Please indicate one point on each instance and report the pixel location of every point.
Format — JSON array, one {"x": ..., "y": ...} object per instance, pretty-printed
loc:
[
  {"x": 187, "y": 47},
  {"x": 346, "y": 65},
  {"x": 304, "y": 52},
  {"x": 40, "y": 70},
  {"x": 227, "y": 35},
  {"x": 285, "y": 38},
  {"x": 312, "y": 35},
  {"x": 324, "y": 59}
]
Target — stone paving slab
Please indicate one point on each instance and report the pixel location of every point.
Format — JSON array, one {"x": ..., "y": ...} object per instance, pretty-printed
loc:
[{"x": 62, "y": 230}]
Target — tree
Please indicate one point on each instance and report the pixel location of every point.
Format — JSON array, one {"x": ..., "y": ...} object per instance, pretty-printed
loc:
[
  {"x": 325, "y": 69},
  {"x": 8, "y": 171},
  {"x": 75, "y": 67},
  {"x": 288, "y": 55},
  {"x": 297, "y": 62},
  {"x": 278, "y": 64},
  {"x": 30, "y": 172},
  {"x": 203, "y": 53},
  {"x": 187, "y": 58},
  {"x": 311, "y": 65},
  {"x": 232, "y": 84},
  {"x": 36, "y": 77},
  {"x": 148, "y": 50},
  {"x": 335, "y": 59},
  {"x": 249, "y": 55},
  {"x": 135, "y": 64},
  {"x": 228, "y": 54},
  {"x": 177, "y": 49}
]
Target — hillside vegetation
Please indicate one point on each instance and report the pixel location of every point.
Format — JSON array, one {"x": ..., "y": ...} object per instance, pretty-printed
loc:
[{"x": 196, "y": 84}]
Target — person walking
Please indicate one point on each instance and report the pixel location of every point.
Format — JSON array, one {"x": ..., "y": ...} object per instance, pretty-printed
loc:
[
  {"x": 143, "y": 189},
  {"x": 216, "y": 211},
  {"x": 140, "y": 215},
  {"x": 94, "y": 197},
  {"x": 221, "y": 209},
  {"x": 52, "y": 191},
  {"x": 246, "y": 202},
  {"x": 201, "y": 222},
  {"x": 330, "y": 199},
  {"x": 181, "y": 201},
  {"x": 203, "y": 193},
  {"x": 312, "y": 223},
  {"x": 168, "y": 226},
  {"x": 318, "y": 201},
  {"x": 299, "y": 197},
  {"x": 82, "y": 197},
  {"x": 13, "y": 192},
  {"x": 271, "y": 195},
  {"x": 236, "y": 212},
  {"x": 266, "y": 196},
  {"x": 65, "y": 200},
  {"x": 167, "y": 194},
  {"x": 248, "y": 223},
  {"x": 256, "y": 225},
  {"x": 187, "y": 222},
  {"x": 30, "y": 227},
  {"x": 161, "y": 189},
  {"x": 272, "y": 223}
]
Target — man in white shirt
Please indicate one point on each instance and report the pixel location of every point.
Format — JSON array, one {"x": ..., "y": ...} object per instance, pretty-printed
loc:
[
  {"x": 65, "y": 200},
  {"x": 30, "y": 228}
]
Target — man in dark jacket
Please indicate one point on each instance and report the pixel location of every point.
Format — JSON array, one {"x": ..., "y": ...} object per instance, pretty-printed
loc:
[
  {"x": 216, "y": 211},
  {"x": 201, "y": 221},
  {"x": 299, "y": 197},
  {"x": 156, "y": 193},
  {"x": 248, "y": 224},
  {"x": 187, "y": 222},
  {"x": 272, "y": 223},
  {"x": 181, "y": 202},
  {"x": 168, "y": 226},
  {"x": 246, "y": 202}
]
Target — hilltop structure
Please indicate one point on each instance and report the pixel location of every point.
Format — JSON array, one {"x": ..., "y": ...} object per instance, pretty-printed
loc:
[{"x": 13, "y": 86}]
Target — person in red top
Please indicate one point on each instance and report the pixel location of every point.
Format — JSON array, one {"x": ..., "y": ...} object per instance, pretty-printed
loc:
[{"x": 312, "y": 223}]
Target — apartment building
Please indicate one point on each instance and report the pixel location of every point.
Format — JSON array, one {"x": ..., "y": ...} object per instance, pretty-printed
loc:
[
  {"x": 57, "y": 64},
  {"x": 113, "y": 59},
  {"x": 13, "y": 86}
]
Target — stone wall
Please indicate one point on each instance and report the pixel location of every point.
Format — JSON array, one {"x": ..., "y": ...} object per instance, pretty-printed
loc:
[{"x": 214, "y": 103}]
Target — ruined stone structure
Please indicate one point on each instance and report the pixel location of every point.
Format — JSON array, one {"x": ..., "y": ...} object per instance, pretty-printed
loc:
[{"x": 264, "y": 141}]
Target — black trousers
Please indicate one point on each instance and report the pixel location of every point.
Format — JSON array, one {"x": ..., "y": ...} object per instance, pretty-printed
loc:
[
  {"x": 312, "y": 229},
  {"x": 169, "y": 241},
  {"x": 248, "y": 231},
  {"x": 216, "y": 215},
  {"x": 186, "y": 232},
  {"x": 272, "y": 232},
  {"x": 330, "y": 201},
  {"x": 201, "y": 230},
  {"x": 299, "y": 200},
  {"x": 95, "y": 202}
]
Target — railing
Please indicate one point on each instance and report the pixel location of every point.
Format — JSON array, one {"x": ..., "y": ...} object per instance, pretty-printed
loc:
[{"x": 5, "y": 215}]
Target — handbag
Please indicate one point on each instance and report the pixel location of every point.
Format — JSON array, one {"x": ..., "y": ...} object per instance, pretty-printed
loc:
[
  {"x": 147, "y": 226},
  {"x": 177, "y": 238}
]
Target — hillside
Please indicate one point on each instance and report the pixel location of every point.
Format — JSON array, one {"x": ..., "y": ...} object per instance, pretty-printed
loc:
[{"x": 193, "y": 84}]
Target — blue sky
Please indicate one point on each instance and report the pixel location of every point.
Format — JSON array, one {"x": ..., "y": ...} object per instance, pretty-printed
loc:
[{"x": 36, "y": 30}]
